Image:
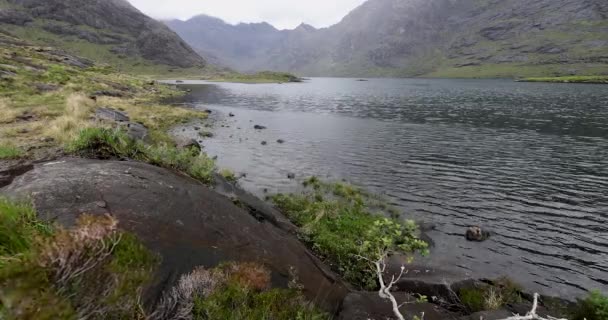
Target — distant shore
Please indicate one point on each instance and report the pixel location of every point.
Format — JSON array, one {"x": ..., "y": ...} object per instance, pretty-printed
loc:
[{"x": 569, "y": 79}]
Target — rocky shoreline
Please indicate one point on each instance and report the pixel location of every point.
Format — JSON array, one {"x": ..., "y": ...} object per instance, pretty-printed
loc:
[{"x": 191, "y": 225}]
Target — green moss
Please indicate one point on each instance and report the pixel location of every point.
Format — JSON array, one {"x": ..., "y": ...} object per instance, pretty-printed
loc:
[
  {"x": 10, "y": 152},
  {"x": 339, "y": 222},
  {"x": 235, "y": 302},
  {"x": 594, "y": 307}
]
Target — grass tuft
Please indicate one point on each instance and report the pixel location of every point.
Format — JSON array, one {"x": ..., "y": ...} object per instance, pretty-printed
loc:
[
  {"x": 8, "y": 152},
  {"x": 114, "y": 143}
]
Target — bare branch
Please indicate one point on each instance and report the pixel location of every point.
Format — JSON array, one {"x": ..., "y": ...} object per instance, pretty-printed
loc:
[{"x": 532, "y": 314}]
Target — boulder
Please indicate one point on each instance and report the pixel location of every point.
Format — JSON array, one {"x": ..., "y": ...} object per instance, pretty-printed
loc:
[
  {"x": 476, "y": 233},
  {"x": 180, "y": 219},
  {"x": 111, "y": 115},
  {"x": 438, "y": 284},
  {"x": 188, "y": 144},
  {"x": 369, "y": 306}
]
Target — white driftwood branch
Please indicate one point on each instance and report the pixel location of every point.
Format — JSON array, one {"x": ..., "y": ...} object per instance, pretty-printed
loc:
[
  {"x": 385, "y": 289},
  {"x": 532, "y": 314}
]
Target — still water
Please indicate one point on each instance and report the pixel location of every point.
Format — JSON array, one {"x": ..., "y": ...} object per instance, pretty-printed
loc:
[{"x": 527, "y": 161}]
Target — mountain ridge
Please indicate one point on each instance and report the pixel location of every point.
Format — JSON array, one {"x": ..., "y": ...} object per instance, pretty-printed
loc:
[
  {"x": 111, "y": 30},
  {"x": 469, "y": 38}
]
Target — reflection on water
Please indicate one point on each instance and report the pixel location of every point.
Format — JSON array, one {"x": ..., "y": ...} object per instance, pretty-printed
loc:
[{"x": 529, "y": 161}]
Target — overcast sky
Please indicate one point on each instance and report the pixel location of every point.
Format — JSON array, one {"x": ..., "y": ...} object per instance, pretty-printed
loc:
[{"x": 280, "y": 13}]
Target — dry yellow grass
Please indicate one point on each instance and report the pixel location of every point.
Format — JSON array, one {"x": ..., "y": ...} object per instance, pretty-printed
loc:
[
  {"x": 8, "y": 113},
  {"x": 76, "y": 116},
  {"x": 153, "y": 116}
]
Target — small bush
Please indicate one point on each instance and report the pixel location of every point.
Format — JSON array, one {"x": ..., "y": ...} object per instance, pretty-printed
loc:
[
  {"x": 501, "y": 292},
  {"x": 337, "y": 221},
  {"x": 56, "y": 74},
  {"x": 228, "y": 175},
  {"x": 10, "y": 152},
  {"x": 473, "y": 299},
  {"x": 233, "y": 291},
  {"x": 594, "y": 307},
  {"x": 103, "y": 143}
]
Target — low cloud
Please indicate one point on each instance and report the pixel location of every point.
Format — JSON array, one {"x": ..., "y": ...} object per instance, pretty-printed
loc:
[{"x": 283, "y": 14}]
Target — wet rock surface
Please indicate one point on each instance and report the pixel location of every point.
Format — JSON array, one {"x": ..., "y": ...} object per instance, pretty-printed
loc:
[
  {"x": 186, "y": 223},
  {"x": 369, "y": 306}
]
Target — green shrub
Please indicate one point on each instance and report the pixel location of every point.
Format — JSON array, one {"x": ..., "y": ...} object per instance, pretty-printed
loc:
[
  {"x": 10, "y": 152},
  {"x": 235, "y": 302},
  {"x": 594, "y": 307},
  {"x": 103, "y": 143},
  {"x": 337, "y": 222},
  {"x": 228, "y": 175},
  {"x": 501, "y": 292},
  {"x": 472, "y": 299},
  {"x": 56, "y": 74}
]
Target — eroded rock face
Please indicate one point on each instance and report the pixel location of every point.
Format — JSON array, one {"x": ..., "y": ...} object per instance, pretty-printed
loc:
[{"x": 186, "y": 223}]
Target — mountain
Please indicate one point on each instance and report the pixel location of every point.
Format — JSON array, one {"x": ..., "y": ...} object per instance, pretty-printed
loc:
[
  {"x": 453, "y": 38},
  {"x": 107, "y": 30}
]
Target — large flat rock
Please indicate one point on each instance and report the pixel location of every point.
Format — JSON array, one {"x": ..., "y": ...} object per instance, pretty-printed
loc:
[{"x": 182, "y": 220}]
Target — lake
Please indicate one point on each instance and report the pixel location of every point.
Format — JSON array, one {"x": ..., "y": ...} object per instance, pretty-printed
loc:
[{"x": 528, "y": 161}]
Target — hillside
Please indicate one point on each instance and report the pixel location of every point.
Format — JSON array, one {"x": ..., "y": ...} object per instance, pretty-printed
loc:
[
  {"x": 110, "y": 31},
  {"x": 443, "y": 38}
]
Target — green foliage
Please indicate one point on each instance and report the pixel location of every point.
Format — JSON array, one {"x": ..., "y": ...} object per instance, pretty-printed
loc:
[
  {"x": 235, "y": 302},
  {"x": 594, "y": 307},
  {"x": 503, "y": 291},
  {"x": 10, "y": 152},
  {"x": 337, "y": 221},
  {"x": 228, "y": 175},
  {"x": 472, "y": 299},
  {"x": 18, "y": 228},
  {"x": 56, "y": 74},
  {"x": 105, "y": 271},
  {"x": 103, "y": 143},
  {"x": 113, "y": 143}
]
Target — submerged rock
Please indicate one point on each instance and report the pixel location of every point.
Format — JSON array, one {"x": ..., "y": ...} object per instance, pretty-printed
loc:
[
  {"x": 259, "y": 127},
  {"x": 476, "y": 233}
]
